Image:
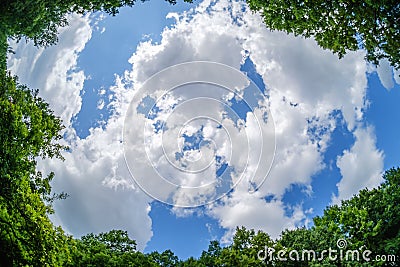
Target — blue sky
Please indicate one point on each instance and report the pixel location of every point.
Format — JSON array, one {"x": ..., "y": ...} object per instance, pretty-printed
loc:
[{"x": 336, "y": 121}]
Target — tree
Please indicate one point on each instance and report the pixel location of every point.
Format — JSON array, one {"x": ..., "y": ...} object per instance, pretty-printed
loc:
[
  {"x": 28, "y": 129},
  {"x": 369, "y": 220},
  {"x": 339, "y": 25},
  {"x": 209, "y": 257},
  {"x": 113, "y": 248},
  {"x": 40, "y": 20},
  {"x": 245, "y": 248},
  {"x": 165, "y": 259},
  {"x": 299, "y": 239},
  {"x": 3, "y": 52},
  {"x": 115, "y": 240},
  {"x": 192, "y": 262}
]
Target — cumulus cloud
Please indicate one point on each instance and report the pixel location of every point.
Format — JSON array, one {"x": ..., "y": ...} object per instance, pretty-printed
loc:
[
  {"x": 305, "y": 86},
  {"x": 174, "y": 170},
  {"x": 253, "y": 213},
  {"x": 102, "y": 195},
  {"x": 54, "y": 69},
  {"x": 361, "y": 166},
  {"x": 385, "y": 73},
  {"x": 94, "y": 173}
]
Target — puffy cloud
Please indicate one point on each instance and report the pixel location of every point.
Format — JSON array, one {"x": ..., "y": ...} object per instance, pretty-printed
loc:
[
  {"x": 159, "y": 160},
  {"x": 253, "y": 213},
  {"x": 305, "y": 85},
  {"x": 101, "y": 194},
  {"x": 385, "y": 74},
  {"x": 301, "y": 72},
  {"x": 361, "y": 166},
  {"x": 54, "y": 69},
  {"x": 94, "y": 173}
]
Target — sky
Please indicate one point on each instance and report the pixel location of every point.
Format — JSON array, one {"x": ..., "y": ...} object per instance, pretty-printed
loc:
[{"x": 189, "y": 120}]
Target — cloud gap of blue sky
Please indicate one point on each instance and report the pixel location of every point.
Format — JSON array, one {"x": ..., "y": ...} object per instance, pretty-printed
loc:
[{"x": 194, "y": 234}]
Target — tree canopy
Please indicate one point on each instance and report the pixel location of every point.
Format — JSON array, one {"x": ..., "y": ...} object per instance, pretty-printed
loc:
[
  {"x": 40, "y": 20},
  {"x": 339, "y": 25},
  {"x": 28, "y": 129},
  {"x": 368, "y": 221}
]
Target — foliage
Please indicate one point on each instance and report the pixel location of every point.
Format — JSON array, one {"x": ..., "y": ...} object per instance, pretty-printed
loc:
[
  {"x": 165, "y": 259},
  {"x": 3, "y": 52},
  {"x": 28, "y": 130},
  {"x": 40, "y": 20},
  {"x": 339, "y": 25},
  {"x": 116, "y": 240},
  {"x": 113, "y": 248},
  {"x": 211, "y": 256},
  {"x": 370, "y": 219}
]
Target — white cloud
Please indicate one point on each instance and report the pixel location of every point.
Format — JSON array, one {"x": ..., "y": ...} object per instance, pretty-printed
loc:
[
  {"x": 100, "y": 104},
  {"x": 94, "y": 173},
  {"x": 305, "y": 85},
  {"x": 297, "y": 69},
  {"x": 196, "y": 106},
  {"x": 54, "y": 70},
  {"x": 361, "y": 166},
  {"x": 385, "y": 74},
  {"x": 254, "y": 212},
  {"x": 102, "y": 195}
]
